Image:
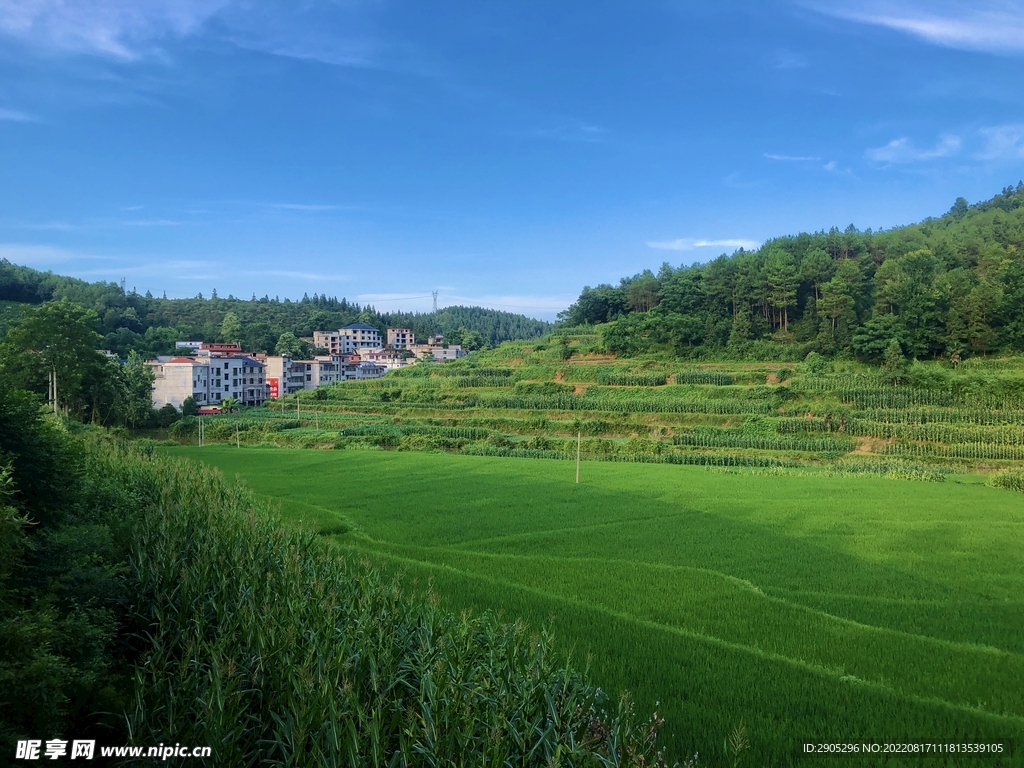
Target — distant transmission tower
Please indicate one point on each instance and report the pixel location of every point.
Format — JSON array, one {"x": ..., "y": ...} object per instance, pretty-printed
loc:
[{"x": 435, "y": 300}]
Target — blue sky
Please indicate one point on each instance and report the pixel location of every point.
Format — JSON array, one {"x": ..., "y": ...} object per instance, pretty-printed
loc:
[{"x": 503, "y": 154}]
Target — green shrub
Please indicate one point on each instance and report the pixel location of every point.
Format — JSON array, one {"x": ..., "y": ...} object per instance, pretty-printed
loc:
[{"x": 1010, "y": 479}]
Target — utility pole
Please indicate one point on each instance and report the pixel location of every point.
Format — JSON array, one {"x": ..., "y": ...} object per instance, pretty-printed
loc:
[
  {"x": 298, "y": 414},
  {"x": 53, "y": 389},
  {"x": 238, "y": 442},
  {"x": 579, "y": 443},
  {"x": 435, "y": 301}
]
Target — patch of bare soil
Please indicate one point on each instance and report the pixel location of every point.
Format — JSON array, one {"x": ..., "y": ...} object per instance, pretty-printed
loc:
[{"x": 870, "y": 444}]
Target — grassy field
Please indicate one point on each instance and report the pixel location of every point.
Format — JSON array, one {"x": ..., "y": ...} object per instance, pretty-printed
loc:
[{"x": 805, "y": 608}]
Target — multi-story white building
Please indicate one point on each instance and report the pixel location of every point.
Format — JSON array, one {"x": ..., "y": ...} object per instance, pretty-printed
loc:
[
  {"x": 321, "y": 371},
  {"x": 349, "y": 339},
  {"x": 329, "y": 340},
  {"x": 400, "y": 338},
  {"x": 362, "y": 369},
  {"x": 286, "y": 376},
  {"x": 283, "y": 377},
  {"x": 178, "y": 378},
  {"x": 389, "y": 358},
  {"x": 440, "y": 354},
  {"x": 238, "y": 376},
  {"x": 208, "y": 380}
]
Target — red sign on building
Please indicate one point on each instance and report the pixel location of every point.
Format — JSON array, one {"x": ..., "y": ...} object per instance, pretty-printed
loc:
[{"x": 274, "y": 388}]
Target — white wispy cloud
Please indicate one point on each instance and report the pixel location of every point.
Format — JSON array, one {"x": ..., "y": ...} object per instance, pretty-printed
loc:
[
  {"x": 301, "y": 207},
  {"x": 122, "y": 29},
  {"x": 17, "y": 116},
  {"x": 151, "y": 223},
  {"x": 388, "y": 297},
  {"x": 27, "y": 253},
  {"x": 791, "y": 158},
  {"x": 571, "y": 131},
  {"x": 785, "y": 59},
  {"x": 981, "y": 25},
  {"x": 1003, "y": 142},
  {"x": 536, "y": 305},
  {"x": 689, "y": 244},
  {"x": 312, "y": 277},
  {"x": 902, "y": 150}
]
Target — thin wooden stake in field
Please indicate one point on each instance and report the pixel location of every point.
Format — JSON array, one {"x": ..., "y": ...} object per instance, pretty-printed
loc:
[
  {"x": 316, "y": 415},
  {"x": 579, "y": 442},
  {"x": 238, "y": 442}
]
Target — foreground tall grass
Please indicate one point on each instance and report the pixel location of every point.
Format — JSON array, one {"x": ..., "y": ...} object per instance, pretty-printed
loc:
[{"x": 267, "y": 646}]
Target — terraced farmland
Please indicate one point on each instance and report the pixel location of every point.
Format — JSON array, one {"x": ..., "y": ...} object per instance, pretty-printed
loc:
[{"x": 528, "y": 402}]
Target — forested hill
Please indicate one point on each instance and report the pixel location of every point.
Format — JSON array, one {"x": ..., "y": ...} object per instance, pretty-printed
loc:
[
  {"x": 151, "y": 325},
  {"x": 946, "y": 287}
]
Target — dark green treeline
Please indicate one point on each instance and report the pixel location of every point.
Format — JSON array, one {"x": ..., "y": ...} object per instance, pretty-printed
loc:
[
  {"x": 150, "y": 325},
  {"x": 947, "y": 287}
]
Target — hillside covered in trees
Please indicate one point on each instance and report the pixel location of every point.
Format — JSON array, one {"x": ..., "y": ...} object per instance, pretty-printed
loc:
[
  {"x": 131, "y": 321},
  {"x": 944, "y": 288}
]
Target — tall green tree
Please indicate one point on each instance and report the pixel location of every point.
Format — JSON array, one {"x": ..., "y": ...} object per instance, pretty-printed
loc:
[
  {"x": 57, "y": 339},
  {"x": 817, "y": 268},
  {"x": 138, "y": 380},
  {"x": 782, "y": 279},
  {"x": 290, "y": 345},
  {"x": 231, "y": 328}
]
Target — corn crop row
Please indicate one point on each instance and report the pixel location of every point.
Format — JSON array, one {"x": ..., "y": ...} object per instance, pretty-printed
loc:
[
  {"x": 795, "y": 424},
  {"x": 966, "y": 415},
  {"x": 631, "y": 405},
  {"x": 940, "y": 433},
  {"x": 697, "y": 459},
  {"x": 451, "y": 370},
  {"x": 716, "y": 378},
  {"x": 835, "y": 382},
  {"x": 893, "y": 397},
  {"x": 400, "y": 430},
  {"x": 479, "y": 381},
  {"x": 633, "y": 380},
  {"x": 958, "y": 451},
  {"x": 768, "y": 443}
]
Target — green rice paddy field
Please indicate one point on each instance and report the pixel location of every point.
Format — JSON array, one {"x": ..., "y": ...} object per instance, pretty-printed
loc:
[{"x": 807, "y": 609}]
